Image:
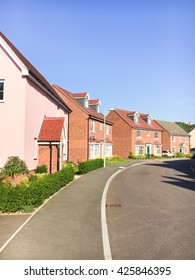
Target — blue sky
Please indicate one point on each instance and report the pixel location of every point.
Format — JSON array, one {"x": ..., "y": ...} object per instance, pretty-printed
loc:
[{"x": 131, "y": 54}]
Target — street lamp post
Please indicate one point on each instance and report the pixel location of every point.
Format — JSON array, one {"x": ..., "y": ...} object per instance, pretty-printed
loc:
[{"x": 104, "y": 156}]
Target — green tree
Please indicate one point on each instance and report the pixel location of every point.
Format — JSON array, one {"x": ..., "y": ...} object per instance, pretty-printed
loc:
[
  {"x": 15, "y": 166},
  {"x": 183, "y": 125}
]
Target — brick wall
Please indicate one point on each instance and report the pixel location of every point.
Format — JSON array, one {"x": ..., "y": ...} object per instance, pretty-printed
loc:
[
  {"x": 125, "y": 137},
  {"x": 178, "y": 142},
  {"x": 121, "y": 135},
  {"x": 44, "y": 157},
  {"x": 78, "y": 133},
  {"x": 147, "y": 137}
]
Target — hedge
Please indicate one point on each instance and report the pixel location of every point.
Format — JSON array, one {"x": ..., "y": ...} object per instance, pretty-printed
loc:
[
  {"x": 87, "y": 166},
  {"x": 13, "y": 199}
]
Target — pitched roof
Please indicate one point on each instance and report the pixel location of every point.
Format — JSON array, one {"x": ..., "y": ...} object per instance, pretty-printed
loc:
[
  {"x": 89, "y": 111},
  {"x": 172, "y": 128},
  {"x": 94, "y": 101},
  {"x": 33, "y": 72},
  {"x": 51, "y": 129},
  {"x": 80, "y": 95},
  {"x": 190, "y": 128},
  {"x": 142, "y": 124}
]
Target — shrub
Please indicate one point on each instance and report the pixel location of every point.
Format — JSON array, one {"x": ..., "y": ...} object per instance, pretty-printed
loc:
[
  {"x": 14, "y": 166},
  {"x": 24, "y": 197},
  {"x": 134, "y": 156},
  {"x": 41, "y": 169},
  {"x": 87, "y": 166}
]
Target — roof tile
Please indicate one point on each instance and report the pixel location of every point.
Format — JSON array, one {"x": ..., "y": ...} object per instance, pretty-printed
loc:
[{"x": 51, "y": 129}]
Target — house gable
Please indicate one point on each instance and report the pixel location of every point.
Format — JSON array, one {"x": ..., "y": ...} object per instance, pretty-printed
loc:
[{"x": 29, "y": 71}]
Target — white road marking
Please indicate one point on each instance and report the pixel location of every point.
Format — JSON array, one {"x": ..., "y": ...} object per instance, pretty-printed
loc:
[{"x": 105, "y": 235}]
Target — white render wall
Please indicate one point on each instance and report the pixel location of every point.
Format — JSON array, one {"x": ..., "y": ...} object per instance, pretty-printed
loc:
[
  {"x": 38, "y": 105},
  {"x": 22, "y": 114},
  {"x": 12, "y": 110}
]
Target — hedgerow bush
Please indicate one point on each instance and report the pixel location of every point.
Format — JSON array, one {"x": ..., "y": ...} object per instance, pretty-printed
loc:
[
  {"x": 21, "y": 197},
  {"x": 41, "y": 169},
  {"x": 87, "y": 166}
]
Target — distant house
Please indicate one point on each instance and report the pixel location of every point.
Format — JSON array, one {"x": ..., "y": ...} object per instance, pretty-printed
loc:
[
  {"x": 134, "y": 132},
  {"x": 174, "y": 138},
  {"x": 88, "y": 130},
  {"x": 191, "y": 131},
  {"x": 34, "y": 119}
]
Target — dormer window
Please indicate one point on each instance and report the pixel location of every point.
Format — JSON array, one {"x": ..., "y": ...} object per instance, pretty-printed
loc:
[
  {"x": 2, "y": 90},
  {"x": 82, "y": 98},
  {"x": 95, "y": 105},
  {"x": 136, "y": 118},
  {"x": 149, "y": 120}
]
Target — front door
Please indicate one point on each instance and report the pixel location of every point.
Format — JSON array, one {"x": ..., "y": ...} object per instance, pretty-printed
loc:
[{"x": 148, "y": 149}]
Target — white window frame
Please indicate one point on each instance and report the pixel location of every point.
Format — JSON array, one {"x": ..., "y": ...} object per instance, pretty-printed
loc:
[
  {"x": 149, "y": 120},
  {"x": 156, "y": 134},
  {"x": 92, "y": 126},
  {"x": 157, "y": 150},
  {"x": 107, "y": 130},
  {"x": 173, "y": 149},
  {"x": 108, "y": 150},
  {"x": 136, "y": 118},
  {"x": 139, "y": 134},
  {"x": 148, "y": 133},
  {"x": 35, "y": 150},
  {"x": 94, "y": 150},
  {"x": 173, "y": 138},
  {"x": 187, "y": 139},
  {"x": 140, "y": 150},
  {"x": 3, "y": 82}
]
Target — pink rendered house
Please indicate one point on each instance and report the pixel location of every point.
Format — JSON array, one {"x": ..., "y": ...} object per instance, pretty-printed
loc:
[{"x": 34, "y": 119}]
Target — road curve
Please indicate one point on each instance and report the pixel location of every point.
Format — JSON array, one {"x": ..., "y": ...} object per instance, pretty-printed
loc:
[{"x": 156, "y": 219}]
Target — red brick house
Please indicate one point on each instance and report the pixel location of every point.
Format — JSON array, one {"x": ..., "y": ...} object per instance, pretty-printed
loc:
[
  {"x": 87, "y": 127},
  {"x": 134, "y": 132},
  {"x": 174, "y": 138}
]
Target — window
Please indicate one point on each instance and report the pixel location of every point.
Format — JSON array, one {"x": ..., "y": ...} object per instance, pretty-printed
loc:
[
  {"x": 173, "y": 138},
  {"x": 149, "y": 120},
  {"x": 173, "y": 149},
  {"x": 157, "y": 150},
  {"x": 156, "y": 135},
  {"x": 1, "y": 90},
  {"x": 140, "y": 150},
  {"x": 148, "y": 133},
  {"x": 139, "y": 134},
  {"x": 108, "y": 150},
  {"x": 186, "y": 139},
  {"x": 107, "y": 129},
  {"x": 94, "y": 151},
  {"x": 136, "y": 118},
  {"x": 35, "y": 148},
  {"x": 186, "y": 150},
  {"x": 92, "y": 126},
  {"x": 101, "y": 126}
]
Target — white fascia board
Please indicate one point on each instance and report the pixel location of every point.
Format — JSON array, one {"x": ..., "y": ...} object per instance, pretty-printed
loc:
[
  {"x": 15, "y": 58},
  {"x": 49, "y": 143}
]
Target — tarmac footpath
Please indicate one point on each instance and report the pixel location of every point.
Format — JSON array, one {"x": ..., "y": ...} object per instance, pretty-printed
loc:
[{"x": 66, "y": 227}]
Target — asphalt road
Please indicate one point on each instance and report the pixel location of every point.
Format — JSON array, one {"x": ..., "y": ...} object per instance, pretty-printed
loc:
[
  {"x": 153, "y": 213},
  {"x": 156, "y": 219}
]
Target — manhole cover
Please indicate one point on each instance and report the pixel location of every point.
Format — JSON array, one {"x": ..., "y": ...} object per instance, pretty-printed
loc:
[{"x": 109, "y": 205}]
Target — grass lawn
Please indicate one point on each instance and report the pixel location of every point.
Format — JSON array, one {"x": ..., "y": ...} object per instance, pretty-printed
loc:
[{"x": 116, "y": 160}]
